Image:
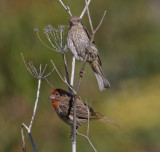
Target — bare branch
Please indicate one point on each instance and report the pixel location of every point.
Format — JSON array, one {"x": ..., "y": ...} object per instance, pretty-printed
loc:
[
  {"x": 85, "y": 8},
  {"x": 31, "y": 122},
  {"x": 30, "y": 137},
  {"x": 27, "y": 66},
  {"x": 66, "y": 8},
  {"x": 32, "y": 142},
  {"x": 63, "y": 79},
  {"x": 89, "y": 17},
  {"x": 38, "y": 75},
  {"x": 36, "y": 103},
  {"x": 89, "y": 141},
  {"x": 23, "y": 139},
  {"x": 73, "y": 70},
  {"x": 100, "y": 23},
  {"x": 87, "y": 136},
  {"x": 49, "y": 83},
  {"x": 88, "y": 108},
  {"x": 33, "y": 71},
  {"x": 90, "y": 43},
  {"x": 43, "y": 41},
  {"x": 66, "y": 68}
]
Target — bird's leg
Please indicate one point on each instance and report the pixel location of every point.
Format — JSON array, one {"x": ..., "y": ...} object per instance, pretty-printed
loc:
[{"x": 81, "y": 73}]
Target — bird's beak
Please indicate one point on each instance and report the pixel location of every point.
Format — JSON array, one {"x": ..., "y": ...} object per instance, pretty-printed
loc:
[
  {"x": 71, "y": 24},
  {"x": 51, "y": 97}
]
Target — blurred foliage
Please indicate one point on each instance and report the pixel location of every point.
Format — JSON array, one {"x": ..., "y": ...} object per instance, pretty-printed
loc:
[{"x": 129, "y": 46}]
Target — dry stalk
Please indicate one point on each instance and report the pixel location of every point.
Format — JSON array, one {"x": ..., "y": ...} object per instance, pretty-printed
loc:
[{"x": 39, "y": 75}]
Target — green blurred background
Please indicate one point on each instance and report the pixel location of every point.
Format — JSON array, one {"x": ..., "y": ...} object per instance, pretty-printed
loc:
[{"x": 129, "y": 46}]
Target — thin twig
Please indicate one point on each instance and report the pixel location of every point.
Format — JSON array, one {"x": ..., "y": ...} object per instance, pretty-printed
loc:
[
  {"x": 44, "y": 42},
  {"x": 66, "y": 68},
  {"x": 88, "y": 108},
  {"x": 66, "y": 8},
  {"x": 30, "y": 137},
  {"x": 39, "y": 76},
  {"x": 87, "y": 136},
  {"x": 49, "y": 83},
  {"x": 65, "y": 81},
  {"x": 90, "y": 43},
  {"x": 89, "y": 141},
  {"x": 89, "y": 17},
  {"x": 100, "y": 23},
  {"x": 23, "y": 139},
  {"x": 85, "y": 8}
]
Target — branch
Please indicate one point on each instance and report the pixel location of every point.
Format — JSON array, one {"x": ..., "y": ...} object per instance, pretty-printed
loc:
[
  {"x": 85, "y": 8},
  {"x": 36, "y": 103},
  {"x": 64, "y": 80},
  {"x": 82, "y": 70},
  {"x": 90, "y": 43},
  {"x": 87, "y": 136},
  {"x": 89, "y": 17},
  {"x": 89, "y": 141},
  {"x": 66, "y": 8},
  {"x": 66, "y": 70},
  {"x": 101, "y": 21},
  {"x": 23, "y": 138},
  {"x": 39, "y": 76},
  {"x": 73, "y": 70}
]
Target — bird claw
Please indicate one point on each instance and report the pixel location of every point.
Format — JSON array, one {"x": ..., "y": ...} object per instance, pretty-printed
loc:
[{"x": 81, "y": 73}]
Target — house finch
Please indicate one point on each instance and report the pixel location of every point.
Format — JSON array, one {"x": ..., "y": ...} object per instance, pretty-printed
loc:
[
  {"x": 78, "y": 40},
  {"x": 63, "y": 101}
]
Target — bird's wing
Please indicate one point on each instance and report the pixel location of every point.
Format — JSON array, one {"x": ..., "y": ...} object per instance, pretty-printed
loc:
[
  {"x": 82, "y": 109},
  {"x": 66, "y": 105},
  {"x": 93, "y": 46},
  {"x": 88, "y": 34}
]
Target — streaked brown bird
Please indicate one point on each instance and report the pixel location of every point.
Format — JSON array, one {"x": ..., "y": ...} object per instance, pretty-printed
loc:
[
  {"x": 77, "y": 42},
  {"x": 63, "y": 104}
]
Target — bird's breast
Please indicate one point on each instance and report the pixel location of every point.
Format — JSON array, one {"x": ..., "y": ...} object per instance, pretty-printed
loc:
[{"x": 55, "y": 104}]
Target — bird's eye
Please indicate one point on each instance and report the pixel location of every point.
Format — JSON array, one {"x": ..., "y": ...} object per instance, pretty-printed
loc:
[
  {"x": 78, "y": 20},
  {"x": 56, "y": 94}
]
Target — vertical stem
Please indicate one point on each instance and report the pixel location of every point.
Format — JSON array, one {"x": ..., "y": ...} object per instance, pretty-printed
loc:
[
  {"x": 74, "y": 126},
  {"x": 74, "y": 109},
  {"x": 66, "y": 67},
  {"x": 23, "y": 140},
  {"x": 73, "y": 70},
  {"x": 33, "y": 145},
  {"x": 35, "y": 106}
]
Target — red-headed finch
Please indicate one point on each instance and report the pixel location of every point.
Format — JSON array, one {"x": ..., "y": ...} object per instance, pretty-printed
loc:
[{"x": 63, "y": 101}]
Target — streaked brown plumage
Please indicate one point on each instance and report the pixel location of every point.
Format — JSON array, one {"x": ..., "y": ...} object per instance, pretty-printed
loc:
[
  {"x": 77, "y": 42},
  {"x": 62, "y": 102}
]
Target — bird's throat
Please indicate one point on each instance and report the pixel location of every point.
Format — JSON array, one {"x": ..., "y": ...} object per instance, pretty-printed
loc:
[{"x": 55, "y": 104}]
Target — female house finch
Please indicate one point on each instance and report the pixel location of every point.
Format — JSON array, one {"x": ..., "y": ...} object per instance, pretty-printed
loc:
[
  {"x": 62, "y": 102},
  {"x": 77, "y": 42}
]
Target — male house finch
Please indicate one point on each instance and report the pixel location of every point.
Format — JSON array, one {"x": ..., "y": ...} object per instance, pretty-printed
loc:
[
  {"x": 77, "y": 42},
  {"x": 62, "y": 102}
]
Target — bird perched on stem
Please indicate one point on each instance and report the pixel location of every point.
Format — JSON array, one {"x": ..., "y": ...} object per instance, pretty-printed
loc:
[
  {"x": 78, "y": 41},
  {"x": 63, "y": 104}
]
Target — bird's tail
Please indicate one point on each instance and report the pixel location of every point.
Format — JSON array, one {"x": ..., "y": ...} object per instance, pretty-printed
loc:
[
  {"x": 102, "y": 81},
  {"x": 98, "y": 116},
  {"x": 105, "y": 119}
]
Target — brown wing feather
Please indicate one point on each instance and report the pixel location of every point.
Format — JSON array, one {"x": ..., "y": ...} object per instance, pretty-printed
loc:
[
  {"x": 88, "y": 34},
  {"x": 66, "y": 106}
]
